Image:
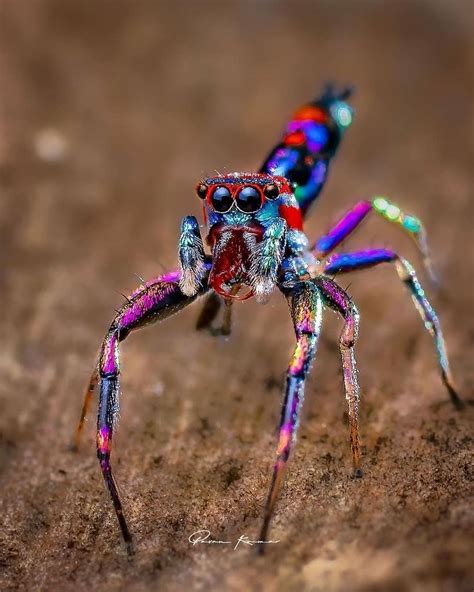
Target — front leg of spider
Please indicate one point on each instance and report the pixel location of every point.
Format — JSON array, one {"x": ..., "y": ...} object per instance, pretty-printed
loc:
[
  {"x": 154, "y": 301},
  {"x": 306, "y": 307}
]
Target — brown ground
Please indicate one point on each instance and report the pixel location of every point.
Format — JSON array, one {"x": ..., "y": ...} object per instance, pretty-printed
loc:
[{"x": 146, "y": 96}]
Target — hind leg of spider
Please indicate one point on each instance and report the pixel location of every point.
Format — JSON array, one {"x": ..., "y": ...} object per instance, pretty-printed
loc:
[
  {"x": 352, "y": 219},
  {"x": 336, "y": 298},
  {"x": 85, "y": 407},
  {"x": 345, "y": 262},
  {"x": 305, "y": 304}
]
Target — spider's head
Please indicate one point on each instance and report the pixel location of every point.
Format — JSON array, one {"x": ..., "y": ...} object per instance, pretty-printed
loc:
[{"x": 242, "y": 211}]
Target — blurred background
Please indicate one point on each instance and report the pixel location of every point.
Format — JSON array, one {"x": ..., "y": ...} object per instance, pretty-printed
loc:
[{"x": 110, "y": 112}]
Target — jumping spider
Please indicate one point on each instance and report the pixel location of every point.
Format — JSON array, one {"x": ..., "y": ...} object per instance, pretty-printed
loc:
[{"x": 255, "y": 243}]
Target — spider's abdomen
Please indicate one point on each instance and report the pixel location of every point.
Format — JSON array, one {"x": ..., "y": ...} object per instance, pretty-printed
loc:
[{"x": 310, "y": 141}]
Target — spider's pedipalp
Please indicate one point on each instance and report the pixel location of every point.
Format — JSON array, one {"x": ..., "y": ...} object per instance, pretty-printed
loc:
[
  {"x": 191, "y": 256},
  {"x": 266, "y": 258}
]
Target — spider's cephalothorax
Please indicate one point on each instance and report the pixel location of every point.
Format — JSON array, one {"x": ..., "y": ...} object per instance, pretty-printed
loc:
[
  {"x": 254, "y": 243},
  {"x": 254, "y": 221}
]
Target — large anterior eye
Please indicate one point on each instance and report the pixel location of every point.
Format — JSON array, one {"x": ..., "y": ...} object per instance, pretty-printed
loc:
[
  {"x": 221, "y": 199},
  {"x": 249, "y": 200}
]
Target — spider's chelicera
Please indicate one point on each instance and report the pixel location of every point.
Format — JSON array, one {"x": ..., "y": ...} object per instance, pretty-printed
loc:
[{"x": 254, "y": 244}]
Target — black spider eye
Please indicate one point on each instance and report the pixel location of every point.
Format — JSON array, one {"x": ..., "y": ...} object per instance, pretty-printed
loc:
[
  {"x": 271, "y": 191},
  {"x": 221, "y": 199},
  {"x": 249, "y": 200},
  {"x": 201, "y": 190}
]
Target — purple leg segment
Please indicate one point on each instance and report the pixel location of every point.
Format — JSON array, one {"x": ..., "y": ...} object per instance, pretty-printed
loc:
[
  {"x": 305, "y": 304},
  {"x": 335, "y": 297},
  {"x": 345, "y": 262},
  {"x": 154, "y": 301},
  {"x": 387, "y": 210},
  {"x": 343, "y": 228}
]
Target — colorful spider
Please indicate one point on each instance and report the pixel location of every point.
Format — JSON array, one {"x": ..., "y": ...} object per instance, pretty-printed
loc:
[{"x": 255, "y": 243}]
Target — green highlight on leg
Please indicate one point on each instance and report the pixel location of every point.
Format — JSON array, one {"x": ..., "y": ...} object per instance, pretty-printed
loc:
[{"x": 393, "y": 213}]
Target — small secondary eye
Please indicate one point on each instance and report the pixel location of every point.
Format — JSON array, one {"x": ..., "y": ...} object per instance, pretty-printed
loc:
[
  {"x": 201, "y": 190},
  {"x": 249, "y": 200},
  {"x": 271, "y": 191},
  {"x": 221, "y": 199}
]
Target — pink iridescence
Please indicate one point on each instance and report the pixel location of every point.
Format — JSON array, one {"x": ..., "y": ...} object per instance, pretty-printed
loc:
[
  {"x": 109, "y": 365},
  {"x": 103, "y": 439},
  {"x": 145, "y": 303}
]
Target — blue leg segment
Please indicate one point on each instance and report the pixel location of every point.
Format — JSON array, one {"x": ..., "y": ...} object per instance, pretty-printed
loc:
[{"x": 346, "y": 262}]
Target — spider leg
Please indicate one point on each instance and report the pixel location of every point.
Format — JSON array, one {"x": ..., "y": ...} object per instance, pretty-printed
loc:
[
  {"x": 335, "y": 297},
  {"x": 154, "y": 301},
  {"x": 94, "y": 379},
  {"x": 209, "y": 311},
  {"x": 389, "y": 211},
  {"x": 305, "y": 304},
  {"x": 345, "y": 262},
  {"x": 226, "y": 326}
]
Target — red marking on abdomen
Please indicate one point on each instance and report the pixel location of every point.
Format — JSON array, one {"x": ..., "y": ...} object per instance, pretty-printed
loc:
[
  {"x": 311, "y": 112},
  {"x": 294, "y": 139}
]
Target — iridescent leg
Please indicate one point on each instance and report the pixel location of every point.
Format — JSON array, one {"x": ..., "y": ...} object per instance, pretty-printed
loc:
[
  {"x": 335, "y": 297},
  {"x": 154, "y": 301},
  {"x": 345, "y": 262},
  {"x": 306, "y": 311},
  {"x": 389, "y": 211}
]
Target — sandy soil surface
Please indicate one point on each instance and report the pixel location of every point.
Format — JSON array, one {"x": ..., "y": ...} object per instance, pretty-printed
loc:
[{"x": 110, "y": 112}]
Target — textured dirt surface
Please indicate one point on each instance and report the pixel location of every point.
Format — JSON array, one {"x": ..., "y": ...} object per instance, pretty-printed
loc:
[{"x": 110, "y": 112}]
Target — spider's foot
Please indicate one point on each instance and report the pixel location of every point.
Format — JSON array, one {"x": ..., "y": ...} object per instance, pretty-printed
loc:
[
  {"x": 130, "y": 546},
  {"x": 219, "y": 331},
  {"x": 456, "y": 400}
]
